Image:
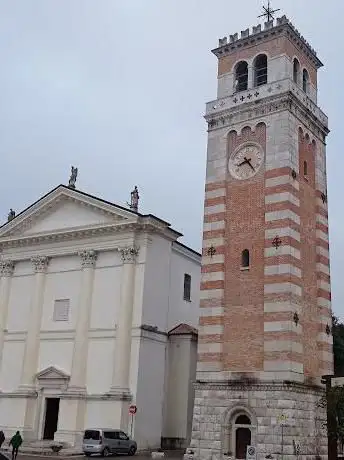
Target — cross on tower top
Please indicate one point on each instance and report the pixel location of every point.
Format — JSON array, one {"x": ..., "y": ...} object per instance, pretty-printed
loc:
[{"x": 268, "y": 12}]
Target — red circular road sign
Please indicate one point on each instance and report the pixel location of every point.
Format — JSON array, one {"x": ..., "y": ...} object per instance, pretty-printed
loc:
[{"x": 132, "y": 409}]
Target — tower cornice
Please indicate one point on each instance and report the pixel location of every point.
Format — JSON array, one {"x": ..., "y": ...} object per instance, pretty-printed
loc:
[
  {"x": 247, "y": 39},
  {"x": 250, "y": 111}
]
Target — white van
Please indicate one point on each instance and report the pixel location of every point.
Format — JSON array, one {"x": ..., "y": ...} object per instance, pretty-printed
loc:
[{"x": 105, "y": 442}]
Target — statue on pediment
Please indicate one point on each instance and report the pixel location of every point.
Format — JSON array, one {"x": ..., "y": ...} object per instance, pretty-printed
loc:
[
  {"x": 134, "y": 202},
  {"x": 11, "y": 215},
  {"x": 73, "y": 176}
]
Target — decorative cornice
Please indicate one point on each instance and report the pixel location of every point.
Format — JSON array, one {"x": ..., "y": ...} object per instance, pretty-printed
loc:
[
  {"x": 247, "y": 385},
  {"x": 84, "y": 233},
  {"x": 6, "y": 268},
  {"x": 88, "y": 258},
  {"x": 272, "y": 29},
  {"x": 40, "y": 263},
  {"x": 129, "y": 254},
  {"x": 273, "y": 104}
]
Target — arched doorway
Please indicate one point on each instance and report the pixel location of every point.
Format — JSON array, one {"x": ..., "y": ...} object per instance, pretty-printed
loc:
[
  {"x": 239, "y": 430},
  {"x": 242, "y": 435}
]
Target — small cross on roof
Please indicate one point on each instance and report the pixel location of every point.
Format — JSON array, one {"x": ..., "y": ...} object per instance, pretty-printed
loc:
[{"x": 268, "y": 12}]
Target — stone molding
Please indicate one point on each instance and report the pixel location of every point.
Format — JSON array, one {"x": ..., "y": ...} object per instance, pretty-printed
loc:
[
  {"x": 52, "y": 378},
  {"x": 129, "y": 254},
  {"x": 6, "y": 268},
  {"x": 279, "y": 103},
  {"x": 65, "y": 395},
  {"x": 247, "y": 385},
  {"x": 40, "y": 263},
  {"x": 86, "y": 233},
  {"x": 88, "y": 258}
]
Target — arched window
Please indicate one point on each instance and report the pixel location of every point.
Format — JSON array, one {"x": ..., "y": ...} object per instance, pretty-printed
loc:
[
  {"x": 243, "y": 420},
  {"x": 305, "y": 168},
  {"x": 241, "y": 76},
  {"x": 305, "y": 80},
  {"x": 245, "y": 258},
  {"x": 296, "y": 71},
  {"x": 260, "y": 70}
]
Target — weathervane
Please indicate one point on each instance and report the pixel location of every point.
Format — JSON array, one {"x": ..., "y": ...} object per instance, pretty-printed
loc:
[{"x": 268, "y": 12}]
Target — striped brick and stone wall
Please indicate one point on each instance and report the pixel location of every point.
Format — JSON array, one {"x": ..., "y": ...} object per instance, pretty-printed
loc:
[{"x": 265, "y": 328}]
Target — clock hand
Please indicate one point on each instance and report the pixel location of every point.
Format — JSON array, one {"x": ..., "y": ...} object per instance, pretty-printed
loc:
[
  {"x": 244, "y": 162},
  {"x": 249, "y": 162}
]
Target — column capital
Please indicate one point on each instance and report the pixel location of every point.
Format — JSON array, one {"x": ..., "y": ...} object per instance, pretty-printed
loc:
[
  {"x": 88, "y": 258},
  {"x": 6, "y": 267},
  {"x": 129, "y": 254},
  {"x": 40, "y": 263}
]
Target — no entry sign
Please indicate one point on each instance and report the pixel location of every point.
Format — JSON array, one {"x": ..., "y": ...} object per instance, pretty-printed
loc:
[{"x": 132, "y": 409}]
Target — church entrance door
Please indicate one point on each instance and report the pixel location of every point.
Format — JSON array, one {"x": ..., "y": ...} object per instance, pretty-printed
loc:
[
  {"x": 52, "y": 406},
  {"x": 242, "y": 441}
]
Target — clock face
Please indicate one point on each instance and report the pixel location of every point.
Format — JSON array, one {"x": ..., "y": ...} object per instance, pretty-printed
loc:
[{"x": 245, "y": 162}]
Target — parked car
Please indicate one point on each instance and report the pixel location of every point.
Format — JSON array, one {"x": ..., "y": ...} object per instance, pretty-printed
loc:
[{"x": 105, "y": 442}]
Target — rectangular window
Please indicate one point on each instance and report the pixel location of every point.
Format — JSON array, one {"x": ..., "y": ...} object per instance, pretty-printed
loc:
[
  {"x": 92, "y": 434},
  {"x": 187, "y": 287},
  {"x": 61, "y": 310}
]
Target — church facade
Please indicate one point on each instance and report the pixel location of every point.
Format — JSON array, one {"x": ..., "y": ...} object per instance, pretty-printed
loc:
[
  {"x": 98, "y": 309},
  {"x": 265, "y": 318}
]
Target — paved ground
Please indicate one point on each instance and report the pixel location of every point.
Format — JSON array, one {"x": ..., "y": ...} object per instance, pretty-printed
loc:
[{"x": 169, "y": 455}]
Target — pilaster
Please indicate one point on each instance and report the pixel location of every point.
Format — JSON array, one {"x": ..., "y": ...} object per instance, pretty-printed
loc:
[
  {"x": 72, "y": 409},
  {"x": 78, "y": 375},
  {"x": 30, "y": 362},
  {"x": 122, "y": 349},
  {"x": 6, "y": 272}
]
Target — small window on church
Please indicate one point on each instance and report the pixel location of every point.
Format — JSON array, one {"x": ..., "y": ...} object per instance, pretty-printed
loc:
[
  {"x": 305, "y": 168},
  {"x": 296, "y": 71},
  {"x": 61, "y": 310},
  {"x": 305, "y": 81},
  {"x": 241, "y": 76},
  {"x": 245, "y": 258},
  {"x": 187, "y": 287},
  {"x": 261, "y": 70}
]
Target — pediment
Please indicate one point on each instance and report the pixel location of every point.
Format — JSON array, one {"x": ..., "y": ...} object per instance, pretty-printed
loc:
[
  {"x": 52, "y": 373},
  {"x": 183, "y": 329},
  {"x": 64, "y": 209}
]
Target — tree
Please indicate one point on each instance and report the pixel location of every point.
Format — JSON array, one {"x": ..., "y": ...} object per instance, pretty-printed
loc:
[
  {"x": 338, "y": 346},
  {"x": 334, "y": 398},
  {"x": 334, "y": 401}
]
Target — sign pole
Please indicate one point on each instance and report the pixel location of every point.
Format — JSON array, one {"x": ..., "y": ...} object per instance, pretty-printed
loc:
[{"x": 132, "y": 412}]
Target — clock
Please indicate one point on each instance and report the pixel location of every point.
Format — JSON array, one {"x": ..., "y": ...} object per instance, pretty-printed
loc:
[{"x": 245, "y": 162}]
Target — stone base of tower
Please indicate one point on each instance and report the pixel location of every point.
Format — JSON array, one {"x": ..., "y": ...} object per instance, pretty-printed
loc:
[{"x": 218, "y": 432}]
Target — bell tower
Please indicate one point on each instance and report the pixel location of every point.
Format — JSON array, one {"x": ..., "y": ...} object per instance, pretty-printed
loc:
[{"x": 265, "y": 317}]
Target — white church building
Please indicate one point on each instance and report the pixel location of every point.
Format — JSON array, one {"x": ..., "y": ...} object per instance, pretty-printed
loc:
[{"x": 98, "y": 311}]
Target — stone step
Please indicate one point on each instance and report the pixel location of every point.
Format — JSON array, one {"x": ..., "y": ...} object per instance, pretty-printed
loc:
[{"x": 45, "y": 450}]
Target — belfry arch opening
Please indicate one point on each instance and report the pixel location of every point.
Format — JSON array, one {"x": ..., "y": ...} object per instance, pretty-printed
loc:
[
  {"x": 296, "y": 71},
  {"x": 305, "y": 81},
  {"x": 260, "y": 69},
  {"x": 241, "y": 76}
]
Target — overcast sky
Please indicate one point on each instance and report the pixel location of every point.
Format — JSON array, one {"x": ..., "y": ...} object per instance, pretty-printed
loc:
[{"x": 118, "y": 88}]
